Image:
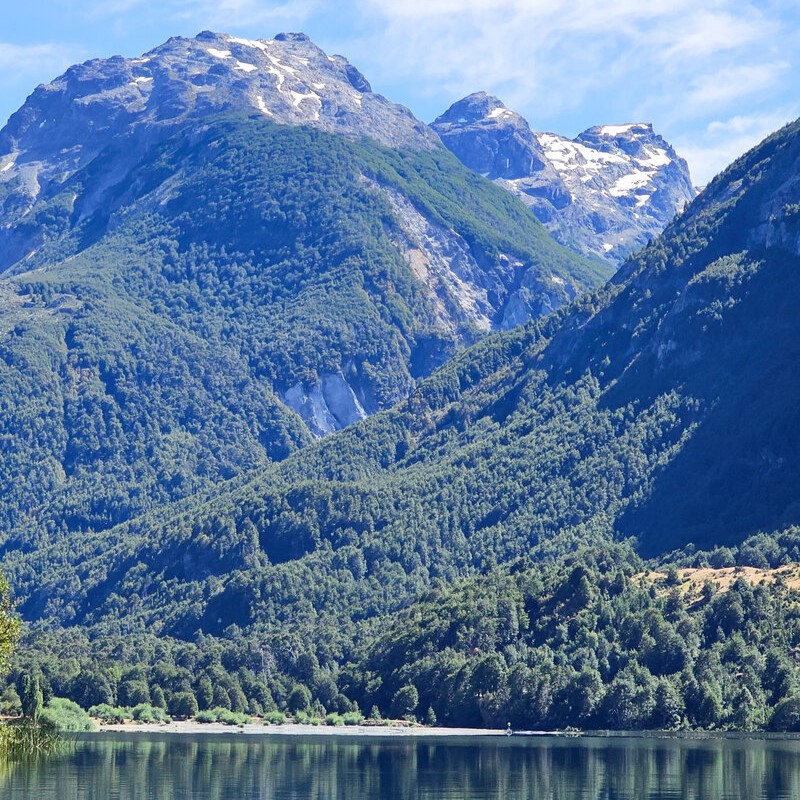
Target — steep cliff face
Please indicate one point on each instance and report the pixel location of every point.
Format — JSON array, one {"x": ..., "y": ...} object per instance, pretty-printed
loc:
[{"x": 605, "y": 193}]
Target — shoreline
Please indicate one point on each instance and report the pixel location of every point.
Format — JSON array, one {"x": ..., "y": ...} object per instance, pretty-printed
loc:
[{"x": 190, "y": 727}]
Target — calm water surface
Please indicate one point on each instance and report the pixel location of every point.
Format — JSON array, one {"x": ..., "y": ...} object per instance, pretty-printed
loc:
[{"x": 239, "y": 767}]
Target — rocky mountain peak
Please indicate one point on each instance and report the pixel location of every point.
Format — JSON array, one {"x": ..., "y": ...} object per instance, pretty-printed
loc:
[
  {"x": 288, "y": 79},
  {"x": 491, "y": 139},
  {"x": 478, "y": 107},
  {"x": 604, "y": 193},
  {"x": 66, "y": 123}
]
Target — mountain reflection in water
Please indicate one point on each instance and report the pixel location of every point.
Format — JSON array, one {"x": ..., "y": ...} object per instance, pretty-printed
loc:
[{"x": 242, "y": 767}]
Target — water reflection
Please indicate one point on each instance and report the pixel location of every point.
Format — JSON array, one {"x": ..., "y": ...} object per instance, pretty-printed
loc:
[{"x": 141, "y": 767}]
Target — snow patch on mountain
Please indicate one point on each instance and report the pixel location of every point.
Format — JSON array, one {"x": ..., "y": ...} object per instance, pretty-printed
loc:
[
  {"x": 604, "y": 193},
  {"x": 250, "y": 43},
  {"x": 65, "y": 124},
  {"x": 619, "y": 130}
]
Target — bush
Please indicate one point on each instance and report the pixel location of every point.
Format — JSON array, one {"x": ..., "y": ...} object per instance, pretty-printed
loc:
[
  {"x": 334, "y": 719},
  {"x": 223, "y": 715},
  {"x": 353, "y": 718},
  {"x": 144, "y": 712},
  {"x": 107, "y": 713},
  {"x": 274, "y": 718},
  {"x": 65, "y": 716},
  {"x": 227, "y": 717}
]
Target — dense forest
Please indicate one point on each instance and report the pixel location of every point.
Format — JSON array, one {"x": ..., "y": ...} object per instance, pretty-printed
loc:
[
  {"x": 147, "y": 348},
  {"x": 474, "y": 554},
  {"x": 594, "y": 639}
]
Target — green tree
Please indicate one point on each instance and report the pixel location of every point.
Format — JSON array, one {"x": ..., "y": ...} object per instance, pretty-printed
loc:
[
  {"x": 184, "y": 704},
  {"x": 221, "y": 697},
  {"x": 31, "y": 697},
  {"x": 205, "y": 693},
  {"x": 133, "y": 692},
  {"x": 91, "y": 688},
  {"x": 299, "y": 698},
  {"x": 405, "y": 702},
  {"x": 786, "y": 716}
]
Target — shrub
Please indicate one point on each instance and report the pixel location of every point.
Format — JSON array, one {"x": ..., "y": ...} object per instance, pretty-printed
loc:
[
  {"x": 274, "y": 718},
  {"x": 107, "y": 713},
  {"x": 223, "y": 715},
  {"x": 144, "y": 712},
  {"x": 65, "y": 716},
  {"x": 353, "y": 718},
  {"x": 334, "y": 719},
  {"x": 227, "y": 717}
]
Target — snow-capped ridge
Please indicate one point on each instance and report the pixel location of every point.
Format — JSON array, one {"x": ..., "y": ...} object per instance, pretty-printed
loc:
[
  {"x": 604, "y": 193},
  {"x": 66, "y": 123}
]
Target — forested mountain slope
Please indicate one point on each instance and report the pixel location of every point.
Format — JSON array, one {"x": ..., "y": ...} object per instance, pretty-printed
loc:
[
  {"x": 219, "y": 251},
  {"x": 663, "y": 407}
]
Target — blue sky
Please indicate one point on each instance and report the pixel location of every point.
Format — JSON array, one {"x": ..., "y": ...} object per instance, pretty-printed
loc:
[{"x": 713, "y": 76}]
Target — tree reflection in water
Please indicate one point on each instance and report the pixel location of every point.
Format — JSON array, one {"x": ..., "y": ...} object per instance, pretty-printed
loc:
[{"x": 142, "y": 767}]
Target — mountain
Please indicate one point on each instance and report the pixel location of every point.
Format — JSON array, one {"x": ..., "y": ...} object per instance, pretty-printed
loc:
[
  {"x": 218, "y": 251},
  {"x": 171, "y": 526},
  {"x": 133, "y": 103},
  {"x": 605, "y": 193},
  {"x": 661, "y": 407}
]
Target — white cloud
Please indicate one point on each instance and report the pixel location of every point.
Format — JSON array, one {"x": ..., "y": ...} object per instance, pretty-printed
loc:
[
  {"x": 560, "y": 51},
  {"x": 712, "y": 33},
  {"x": 720, "y": 88},
  {"x": 36, "y": 57},
  {"x": 710, "y": 150},
  {"x": 568, "y": 64}
]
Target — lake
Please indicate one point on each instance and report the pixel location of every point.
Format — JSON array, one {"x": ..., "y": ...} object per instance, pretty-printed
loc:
[{"x": 279, "y": 767}]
